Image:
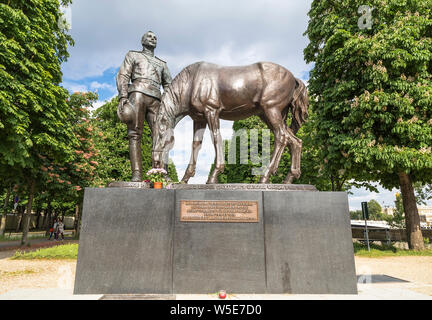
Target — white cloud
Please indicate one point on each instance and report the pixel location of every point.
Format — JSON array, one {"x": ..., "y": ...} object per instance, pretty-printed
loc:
[
  {"x": 383, "y": 197},
  {"x": 100, "y": 103},
  {"x": 225, "y": 32},
  {"x": 97, "y": 85},
  {"x": 75, "y": 87}
]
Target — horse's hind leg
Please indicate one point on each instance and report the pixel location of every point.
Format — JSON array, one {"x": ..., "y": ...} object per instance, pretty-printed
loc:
[
  {"x": 295, "y": 148},
  {"x": 212, "y": 116},
  {"x": 198, "y": 129},
  {"x": 282, "y": 138}
]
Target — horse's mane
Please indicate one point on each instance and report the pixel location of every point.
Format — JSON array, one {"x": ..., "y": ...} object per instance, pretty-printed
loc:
[{"x": 178, "y": 88}]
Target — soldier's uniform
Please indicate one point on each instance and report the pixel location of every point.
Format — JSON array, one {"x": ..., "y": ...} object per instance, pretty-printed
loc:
[{"x": 139, "y": 80}]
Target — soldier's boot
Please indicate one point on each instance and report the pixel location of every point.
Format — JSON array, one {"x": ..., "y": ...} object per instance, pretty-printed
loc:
[{"x": 135, "y": 159}]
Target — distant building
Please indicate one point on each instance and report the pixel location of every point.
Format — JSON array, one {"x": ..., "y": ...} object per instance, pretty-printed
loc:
[
  {"x": 388, "y": 210},
  {"x": 425, "y": 213}
]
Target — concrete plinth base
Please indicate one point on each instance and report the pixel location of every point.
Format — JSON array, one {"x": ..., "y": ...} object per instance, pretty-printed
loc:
[{"x": 133, "y": 242}]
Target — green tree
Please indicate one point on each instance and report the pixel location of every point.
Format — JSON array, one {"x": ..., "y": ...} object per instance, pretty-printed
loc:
[
  {"x": 372, "y": 94},
  {"x": 33, "y": 108},
  {"x": 397, "y": 220},
  {"x": 356, "y": 215},
  {"x": 375, "y": 210},
  {"x": 423, "y": 193},
  {"x": 64, "y": 183}
]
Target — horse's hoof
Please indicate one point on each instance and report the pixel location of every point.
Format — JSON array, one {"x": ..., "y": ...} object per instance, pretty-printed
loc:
[{"x": 288, "y": 180}]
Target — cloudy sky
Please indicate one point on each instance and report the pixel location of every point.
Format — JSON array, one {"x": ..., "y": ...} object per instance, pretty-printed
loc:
[{"x": 224, "y": 32}]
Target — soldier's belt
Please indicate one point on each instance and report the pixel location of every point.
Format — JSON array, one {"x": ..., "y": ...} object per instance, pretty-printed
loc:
[{"x": 153, "y": 82}]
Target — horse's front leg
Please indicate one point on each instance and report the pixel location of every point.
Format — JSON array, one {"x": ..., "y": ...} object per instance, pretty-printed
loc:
[
  {"x": 212, "y": 116},
  {"x": 199, "y": 129}
]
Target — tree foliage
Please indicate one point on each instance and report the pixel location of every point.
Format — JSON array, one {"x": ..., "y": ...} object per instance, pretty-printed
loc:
[
  {"x": 374, "y": 210},
  {"x": 33, "y": 107},
  {"x": 371, "y": 89},
  {"x": 397, "y": 220}
]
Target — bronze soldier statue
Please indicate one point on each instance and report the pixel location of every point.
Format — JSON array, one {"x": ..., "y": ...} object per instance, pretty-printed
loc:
[{"x": 138, "y": 83}]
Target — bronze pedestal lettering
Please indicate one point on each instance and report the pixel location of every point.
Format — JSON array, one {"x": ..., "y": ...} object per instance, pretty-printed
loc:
[{"x": 218, "y": 211}]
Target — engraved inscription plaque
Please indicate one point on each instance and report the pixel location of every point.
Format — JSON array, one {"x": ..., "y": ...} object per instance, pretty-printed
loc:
[{"x": 218, "y": 211}]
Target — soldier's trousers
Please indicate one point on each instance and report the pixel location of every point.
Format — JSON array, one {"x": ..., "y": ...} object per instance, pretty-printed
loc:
[{"x": 146, "y": 108}]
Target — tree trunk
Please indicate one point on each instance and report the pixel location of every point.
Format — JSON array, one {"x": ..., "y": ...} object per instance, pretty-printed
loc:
[
  {"x": 20, "y": 218},
  {"x": 76, "y": 220},
  {"x": 44, "y": 220},
  {"x": 48, "y": 222},
  {"x": 38, "y": 216},
  {"x": 24, "y": 240},
  {"x": 3, "y": 217},
  {"x": 412, "y": 218}
]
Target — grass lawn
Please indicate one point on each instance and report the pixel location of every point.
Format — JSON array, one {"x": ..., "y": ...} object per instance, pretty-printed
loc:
[
  {"x": 19, "y": 237},
  {"x": 377, "y": 251},
  {"x": 66, "y": 251}
]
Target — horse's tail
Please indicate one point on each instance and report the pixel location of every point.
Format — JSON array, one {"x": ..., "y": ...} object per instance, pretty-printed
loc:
[{"x": 299, "y": 106}]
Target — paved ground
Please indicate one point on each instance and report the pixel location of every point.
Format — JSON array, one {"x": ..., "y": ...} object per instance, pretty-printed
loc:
[{"x": 392, "y": 278}]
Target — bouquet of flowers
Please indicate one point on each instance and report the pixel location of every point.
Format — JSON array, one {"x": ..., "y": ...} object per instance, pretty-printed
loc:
[{"x": 157, "y": 175}]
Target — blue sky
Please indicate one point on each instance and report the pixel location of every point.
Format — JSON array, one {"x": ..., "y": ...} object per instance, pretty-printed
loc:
[
  {"x": 224, "y": 32},
  {"x": 103, "y": 84}
]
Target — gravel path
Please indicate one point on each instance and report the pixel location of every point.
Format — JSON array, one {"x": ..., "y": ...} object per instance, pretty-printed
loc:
[{"x": 20, "y": 274}]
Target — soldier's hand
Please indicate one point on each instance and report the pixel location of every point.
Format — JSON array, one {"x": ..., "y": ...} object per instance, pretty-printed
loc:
[{"x": 121, "y": 104}]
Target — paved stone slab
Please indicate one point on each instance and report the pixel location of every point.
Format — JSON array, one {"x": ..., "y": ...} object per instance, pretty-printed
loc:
[
  {"x": 308, "y": 243},
  {"x": 213, "y": 256},
  {"x": 125, "y": 241}
]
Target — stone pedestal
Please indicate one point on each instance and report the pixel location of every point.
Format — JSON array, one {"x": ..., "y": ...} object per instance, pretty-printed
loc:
[{"x": 132, "y": 241}]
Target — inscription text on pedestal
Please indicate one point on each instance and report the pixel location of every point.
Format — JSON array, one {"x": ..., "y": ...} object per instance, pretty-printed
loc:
[{"x": 218, "y": 211}]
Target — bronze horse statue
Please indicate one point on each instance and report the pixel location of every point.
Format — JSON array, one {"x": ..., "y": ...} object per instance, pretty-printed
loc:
[{"x": 208, "y": 92}]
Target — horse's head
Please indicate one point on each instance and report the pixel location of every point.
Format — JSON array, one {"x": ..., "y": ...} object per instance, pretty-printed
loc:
[{"x": 163, "y": 134}]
